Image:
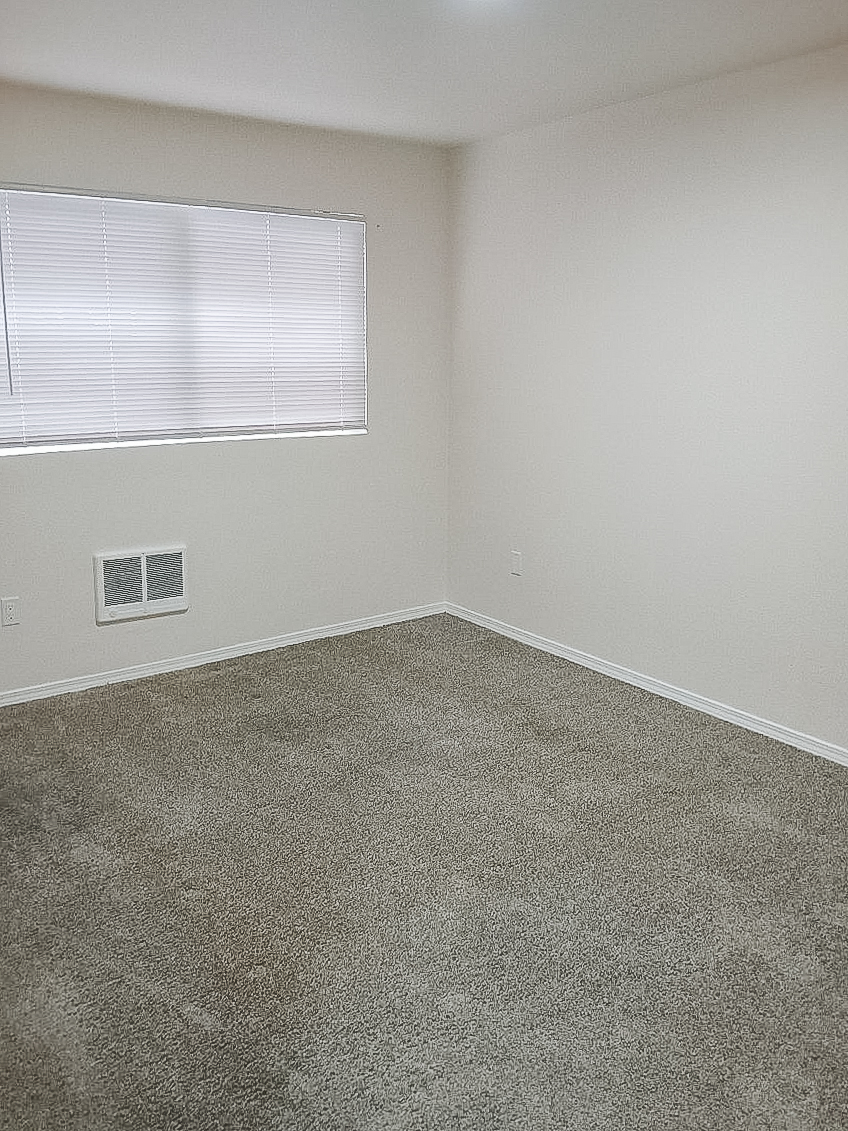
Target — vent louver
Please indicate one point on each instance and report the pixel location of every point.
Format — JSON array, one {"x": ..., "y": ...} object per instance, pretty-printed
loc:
[
  {"x": 122, "y": 583},
  {"x": 139, "y": 583},
  {"x": 164, "y": 575}
]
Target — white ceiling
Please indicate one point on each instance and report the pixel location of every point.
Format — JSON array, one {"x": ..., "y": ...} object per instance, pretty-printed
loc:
[{"x": 443, "y": 70}]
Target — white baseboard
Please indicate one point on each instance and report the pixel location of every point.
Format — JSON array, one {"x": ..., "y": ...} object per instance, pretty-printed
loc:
[
  {"x": 791, "y": 737},
  {"x": 740, "y": 718},
  {"x": 178, "y": 663}
]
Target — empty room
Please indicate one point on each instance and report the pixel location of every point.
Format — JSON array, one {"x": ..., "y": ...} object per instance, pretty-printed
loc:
[{"x": 423, "y": 556}]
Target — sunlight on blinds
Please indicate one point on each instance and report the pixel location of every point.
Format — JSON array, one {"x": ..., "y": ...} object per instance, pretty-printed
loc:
[{"x": 132, "y": 320}]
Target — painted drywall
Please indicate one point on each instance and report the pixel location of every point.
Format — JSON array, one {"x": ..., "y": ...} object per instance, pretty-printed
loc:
[
  {"x": 650, "y": 396},
  {"x": 282, "y": 535}
]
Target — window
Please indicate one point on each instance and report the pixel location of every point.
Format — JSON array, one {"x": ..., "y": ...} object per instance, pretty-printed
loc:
[{"x": 137, "y": 321}]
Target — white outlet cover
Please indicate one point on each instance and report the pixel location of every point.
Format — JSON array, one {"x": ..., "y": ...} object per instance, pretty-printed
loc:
[{"x": 10, "y": 608}]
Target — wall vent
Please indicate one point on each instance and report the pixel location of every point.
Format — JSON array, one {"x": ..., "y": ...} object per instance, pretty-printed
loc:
[{"x": 139, "y": 583}]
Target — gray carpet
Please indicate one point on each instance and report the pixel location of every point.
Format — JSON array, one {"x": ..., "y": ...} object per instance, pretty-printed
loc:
[{"x": 418, "y": 877}]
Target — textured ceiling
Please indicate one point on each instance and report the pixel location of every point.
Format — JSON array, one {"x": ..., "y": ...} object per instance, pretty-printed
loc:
[{"x": 443, "y": 70}]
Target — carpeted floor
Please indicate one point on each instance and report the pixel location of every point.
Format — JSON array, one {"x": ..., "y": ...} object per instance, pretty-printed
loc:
[{"x": 420, "y": 877}]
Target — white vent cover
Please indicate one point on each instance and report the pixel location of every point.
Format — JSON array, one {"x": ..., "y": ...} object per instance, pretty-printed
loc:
[{"x": 139, "y": 583}]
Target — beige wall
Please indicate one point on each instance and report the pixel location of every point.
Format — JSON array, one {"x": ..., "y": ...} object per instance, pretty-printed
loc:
[
  {"x": 651, "y": 388},
  {"x": 282, "y": 535}
]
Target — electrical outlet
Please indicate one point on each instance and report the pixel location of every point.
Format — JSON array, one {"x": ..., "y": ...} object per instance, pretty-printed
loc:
[
  {"x": 10, "y": 611},
  {"x": 515, "y": 567}
]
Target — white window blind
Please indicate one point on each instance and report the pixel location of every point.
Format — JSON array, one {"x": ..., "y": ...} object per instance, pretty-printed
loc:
[{"x": 133, "y": 320}]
